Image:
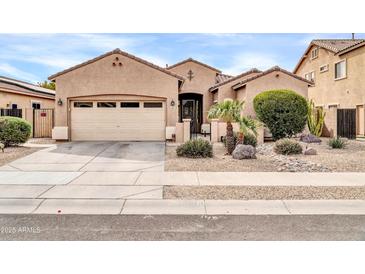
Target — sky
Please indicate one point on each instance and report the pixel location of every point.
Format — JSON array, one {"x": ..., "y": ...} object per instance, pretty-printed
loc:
[{"x": 34, "y": 57}]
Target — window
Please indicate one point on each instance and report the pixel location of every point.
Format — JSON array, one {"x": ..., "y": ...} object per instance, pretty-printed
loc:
[
  {"x": 323, "y": 68},
  {"x": 152, "y": 105},
  {"x": 129, "y": 104},
  {"x": 340, "y": 70},
  {"x": 314, "y": 53},
  {"x": 107, "y": 104},
  {"x": 83, "y": 104},
  {"x": 36, "y": 105},
  {"x": 14, "y": 106},
  {"x": 310, "y": 76}
]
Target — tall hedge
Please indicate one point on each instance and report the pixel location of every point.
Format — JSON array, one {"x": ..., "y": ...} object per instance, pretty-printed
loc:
[
  {"x": 284, "y": 112},
  {"x": 14, "y": 131}
]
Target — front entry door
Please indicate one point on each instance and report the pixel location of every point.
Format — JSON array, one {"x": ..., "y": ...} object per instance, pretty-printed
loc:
[{"x": 190, "y": 110}]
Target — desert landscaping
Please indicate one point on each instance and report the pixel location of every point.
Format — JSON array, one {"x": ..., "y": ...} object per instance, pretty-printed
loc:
[{"x": 349, "y": 159}]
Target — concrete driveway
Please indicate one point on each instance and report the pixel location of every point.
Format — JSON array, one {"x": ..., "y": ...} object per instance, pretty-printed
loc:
[{"x": 95, "y": 156}]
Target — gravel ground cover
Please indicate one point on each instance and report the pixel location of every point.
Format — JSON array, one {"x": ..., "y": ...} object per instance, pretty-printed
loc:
[
  {"x": 12, "y": 153},
  {"x": 263, "y": 192},
  {"x": 350, "y": 159},
  {"x": 41, "y": 141}
]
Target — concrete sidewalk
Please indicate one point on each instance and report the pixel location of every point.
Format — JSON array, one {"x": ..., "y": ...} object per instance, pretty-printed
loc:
[
  {"x": 181, "y": 207},
  {"x": 153, "y": 178}
]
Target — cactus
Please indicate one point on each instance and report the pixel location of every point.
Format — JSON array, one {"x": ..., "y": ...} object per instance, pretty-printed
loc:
[{"x": 315, "y": 119}]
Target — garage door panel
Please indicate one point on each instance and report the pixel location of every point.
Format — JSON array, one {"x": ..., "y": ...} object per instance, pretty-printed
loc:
[{"x": 118, "y": 123}]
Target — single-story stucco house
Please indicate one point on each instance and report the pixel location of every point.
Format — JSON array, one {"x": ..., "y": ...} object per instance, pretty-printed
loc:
[
  {"x": 24, "y": 97},
  {"x": 118, "y": 96}
]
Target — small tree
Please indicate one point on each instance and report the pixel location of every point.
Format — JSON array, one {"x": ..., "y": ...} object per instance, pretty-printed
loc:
[
  {"x": 247, "y": 126},
  {"x": 229, "y": 111},
  {"x": 46, "y": 84},
  {"x": 284, "y": 112},
  {"x": 315, "y": 119}
]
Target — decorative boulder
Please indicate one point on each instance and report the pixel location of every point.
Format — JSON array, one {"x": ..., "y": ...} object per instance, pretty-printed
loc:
[
  {"x": 310, "y": 151},
  {"x": 244, "y": 152},
  {"x": 309, "y": 138}
]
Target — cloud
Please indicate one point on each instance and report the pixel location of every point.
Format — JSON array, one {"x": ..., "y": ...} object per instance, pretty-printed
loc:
[
  {"x": 11, "y": 71},
  {"x": 217, "y": 39},
  {"x": 246, "y": 61},
  {"x": 60, "y": 51},
  {"x": 159, "y": 61}
]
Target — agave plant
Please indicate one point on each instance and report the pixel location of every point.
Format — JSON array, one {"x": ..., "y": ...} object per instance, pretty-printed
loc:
[
  {"x": 315, "y": 119},
  {"x": 229, "y": 111}
]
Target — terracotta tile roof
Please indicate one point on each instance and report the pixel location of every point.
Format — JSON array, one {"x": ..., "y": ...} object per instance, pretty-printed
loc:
[
  {"x": 21, "y": 86},
  {"x": 222, "y": 77},
  {"x": 195, "y": 61},
  {"x": 116, "y": 51},
  {"x": 254, "y": 70},
  {"x": 276, "y": 68},
  {"x": 337, "y": 45}
]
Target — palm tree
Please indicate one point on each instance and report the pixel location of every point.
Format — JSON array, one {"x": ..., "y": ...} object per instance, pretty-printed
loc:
[
  {"x": 247, "y": 125},
  {"x": 229, "y": 111}
]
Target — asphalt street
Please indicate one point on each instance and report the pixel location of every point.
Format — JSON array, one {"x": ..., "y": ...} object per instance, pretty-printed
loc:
[{"x": 182, "y": 227}]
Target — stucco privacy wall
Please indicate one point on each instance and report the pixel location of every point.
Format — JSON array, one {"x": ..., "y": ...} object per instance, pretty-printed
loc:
[
  {"x": 102, "y": 78},
  {"x": 271, "y": 81},
  {"x": 203, "y": 79}
]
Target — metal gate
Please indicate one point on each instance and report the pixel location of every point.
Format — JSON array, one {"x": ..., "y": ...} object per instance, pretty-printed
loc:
[
  {"x": 346, "y": 123},
  {"x": 42, "y": 123}
]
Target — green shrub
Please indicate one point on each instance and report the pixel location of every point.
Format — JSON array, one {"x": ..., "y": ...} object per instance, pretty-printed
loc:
[
  {"x": 14, "y": 131},
  {"x": 250, "y": 139},
  {"x": 287, "y": 146},
  {"x": 337, "y": 142},
  {"x": 198, "y": 148},
  {"x": 284, "y": 112}
]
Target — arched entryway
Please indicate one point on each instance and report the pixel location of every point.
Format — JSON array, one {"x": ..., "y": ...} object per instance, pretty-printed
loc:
[{"x": 191, "y": 107}]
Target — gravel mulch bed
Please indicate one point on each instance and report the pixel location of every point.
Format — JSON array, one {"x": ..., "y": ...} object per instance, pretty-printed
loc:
[
  {"x": 263, "y": 192},
  {"x": 12, "y": 153},
  {"x": 219, "y": 162},
  {"x": 350, "y": 159}
]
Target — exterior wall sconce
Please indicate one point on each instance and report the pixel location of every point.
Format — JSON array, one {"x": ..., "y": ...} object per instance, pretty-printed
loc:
[
  {"x": 172, "y": 103},
  {"x": 59, "y": 102}
]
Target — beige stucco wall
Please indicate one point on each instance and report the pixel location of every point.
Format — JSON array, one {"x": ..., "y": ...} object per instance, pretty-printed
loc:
[
  {"x": 271, "y": 81},
  {"x": 23, "y": 101},
  {"x": 348, "y": 92},
  {"x": 226, "y": 92},
  {"x": 102, "y": 78},
  {"x": 203, "y": 79}
]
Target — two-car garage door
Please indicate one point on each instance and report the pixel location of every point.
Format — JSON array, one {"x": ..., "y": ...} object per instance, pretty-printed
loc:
[{"x": 118, "y": 120}]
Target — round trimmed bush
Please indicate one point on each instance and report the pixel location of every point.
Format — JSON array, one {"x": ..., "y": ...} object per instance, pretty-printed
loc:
[
  {"x": 14, "y": 131},
  {"x": 284, "y": 112},
  {"x": 287, "y": 147},
  {"x": 198, "y": 148}
]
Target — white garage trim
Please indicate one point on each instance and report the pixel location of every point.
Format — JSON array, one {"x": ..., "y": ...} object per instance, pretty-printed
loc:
[{"x": 117, "y": 120}]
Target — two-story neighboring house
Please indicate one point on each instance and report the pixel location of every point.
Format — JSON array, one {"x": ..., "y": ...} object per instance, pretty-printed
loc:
[{"x": 337, "y": 68}]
